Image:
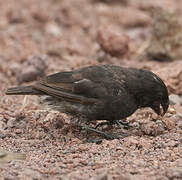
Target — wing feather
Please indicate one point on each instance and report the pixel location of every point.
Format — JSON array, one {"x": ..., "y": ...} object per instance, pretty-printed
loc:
[
  {"x": 75, "y": 86},
  {"x": 64, "y": 95}
]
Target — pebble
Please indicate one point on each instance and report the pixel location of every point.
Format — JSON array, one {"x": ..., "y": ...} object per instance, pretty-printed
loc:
[
  {"x": 32, "y": 68},
  {"x": 112, "y": 41},
  {"x": 175, "y": 99},
  {"x": 53, "y": 29}
]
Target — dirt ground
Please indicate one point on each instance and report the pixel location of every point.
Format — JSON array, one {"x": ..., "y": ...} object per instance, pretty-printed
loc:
[{"x": 57, "y": 35}]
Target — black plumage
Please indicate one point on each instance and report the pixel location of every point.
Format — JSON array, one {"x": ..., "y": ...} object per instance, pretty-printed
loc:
[{"x": 104, "y": 92}]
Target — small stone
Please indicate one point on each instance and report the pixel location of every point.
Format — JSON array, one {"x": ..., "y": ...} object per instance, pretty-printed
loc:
[
  {"x": 170, "y": 123},
  {"x": 2, "y": 125},
  {"x": 131, "y": 141},
  {"x": 2, "y": 154},
  {"x": 112, "y": 41},
  {"x": 32, "y": 68},
  {"x": 11, "y": 122},
  {"x": 175, "y": 99},
  {"x": 2, "y": 136},
  {"x": 53, "y": 29},
  {"x": 166, "y": 40},
  {"x": 153, "y": 128},
  {"x": 172, "y": 143},
  {"x": 18, "y": 131}
]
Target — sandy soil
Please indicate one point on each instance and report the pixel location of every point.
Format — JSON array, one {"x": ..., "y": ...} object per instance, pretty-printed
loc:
[{"x": 57, "y": 35}]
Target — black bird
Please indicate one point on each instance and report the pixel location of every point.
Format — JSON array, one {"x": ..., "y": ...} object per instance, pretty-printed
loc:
[{"x": 104, "y": 92}]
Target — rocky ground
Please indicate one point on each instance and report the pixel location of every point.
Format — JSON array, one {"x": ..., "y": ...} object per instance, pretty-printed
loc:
[{"x": 43, "y": 37}]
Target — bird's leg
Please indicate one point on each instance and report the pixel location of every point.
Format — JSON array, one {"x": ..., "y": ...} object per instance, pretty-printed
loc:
[
  {"x": 103, "y": 123},
  {"x": 78, "y": 121},
  {"x": 103, "y": 134},
  {"x": 122, "y": 124}
]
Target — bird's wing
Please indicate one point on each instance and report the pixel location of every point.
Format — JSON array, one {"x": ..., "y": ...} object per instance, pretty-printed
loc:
[{"x": 70, "y": 86}]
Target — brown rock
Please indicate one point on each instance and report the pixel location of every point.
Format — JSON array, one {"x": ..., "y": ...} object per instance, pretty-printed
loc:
[
  {"x": 166, "y": 41},
  {"x": 153, "y": 128},
  {"x": 131, "y": 141},
  {"x": 112, "y": 41},
  {"x": 170, "y": 123},
  {"x": 33, "y": 68}
]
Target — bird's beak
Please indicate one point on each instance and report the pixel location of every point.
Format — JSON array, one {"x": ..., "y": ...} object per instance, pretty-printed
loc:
[
  {"x": 165, "y": 107},
  {"x": 157, "y": 108}
]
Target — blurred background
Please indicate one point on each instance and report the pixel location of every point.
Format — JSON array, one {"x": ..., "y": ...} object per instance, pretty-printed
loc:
[{"x": 40, "y": 37}]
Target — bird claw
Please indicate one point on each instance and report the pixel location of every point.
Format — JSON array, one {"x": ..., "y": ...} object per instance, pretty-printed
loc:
[
  {"x": 103, "y": 123},
  {"x": 103, "y": 134},
  {"x": 120, "y": 123},
  {"x": 123, "y": 124}
]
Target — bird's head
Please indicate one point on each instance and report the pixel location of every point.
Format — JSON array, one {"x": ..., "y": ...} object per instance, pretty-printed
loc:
[
  {"x": 153, "y": 93},
  {"x": 162, "y": 102}
]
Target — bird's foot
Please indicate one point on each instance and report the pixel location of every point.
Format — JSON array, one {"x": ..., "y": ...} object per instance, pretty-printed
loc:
[
  {"x": 120, "y": 123},
  {"x": 109, "y": 123},
  {"x": 123, "y": 124},
  {"x": 103, "y": 134}
]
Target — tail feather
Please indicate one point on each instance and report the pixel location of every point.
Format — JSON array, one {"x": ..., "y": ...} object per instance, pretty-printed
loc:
[{"x": 23, "y": 90}]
